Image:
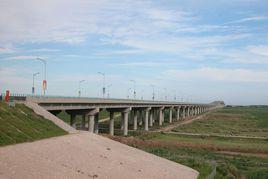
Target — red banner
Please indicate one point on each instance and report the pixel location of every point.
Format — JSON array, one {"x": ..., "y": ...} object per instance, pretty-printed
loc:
[
  {"x": 7, "y": 98},
  {"x": 44, "y": 84}
]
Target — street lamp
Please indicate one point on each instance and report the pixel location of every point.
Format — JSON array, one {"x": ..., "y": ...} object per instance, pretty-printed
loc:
[
  {"x": 134, "y": 88},
  {"x": 165, "y": 91},
  {"x": 142, "y": 94},
  {"x": 153, "y": 92},
  {"x": 33, "y": 89},
  {"x": 103, "y": 84},
  {"x": 128, "y": 92},
  {"x": 108, "y": 90},
  {"x": 45, "y": 74},
  {"x": 79, "y": 88}
]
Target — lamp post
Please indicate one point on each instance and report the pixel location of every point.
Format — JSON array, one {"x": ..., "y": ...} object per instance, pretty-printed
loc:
[
  {"x": 45, "y": 74},
  {"x": 103, "y": 83},
  {"x": 128, "y": 92},
  {"x": 142, "y": 94},
  {"x": 33, "y": 89},
  {"x": 165, "y": 93},
  {"x": 108, "y": 90},
  {"x": 79, "y": 88},
  {"x": 134, "y": 88},
  {"x": 153, "y": 92}
]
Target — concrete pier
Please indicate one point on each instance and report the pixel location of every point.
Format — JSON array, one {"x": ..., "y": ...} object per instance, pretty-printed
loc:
[
  {"x": 91, "y": 121},
  {"x": 96, "y": 123},
  {"x": 170, "y": 115},
  {"x": 125, "y": 114},
  {"x": 151, "y": 118},
  {"x": 161, "y": 116},
  {"x": 178, "y": 113},
  {"x": 146, "y": 120},
  {"x": 111, "y": 123},
  {"x": 135, "y": 120}
]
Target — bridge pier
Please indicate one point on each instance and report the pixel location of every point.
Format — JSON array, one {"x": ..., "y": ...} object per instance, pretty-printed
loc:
[
  {"x": 135, "y": 120},
  {"x": 170, "y": 114},
  {"x": 111, "y": 123},
  {"x": 125, "y": 114},
  {"x": 151, "y": 118},
  {"x": 122, "y": 121},
  {"x": 96, "y": 124},
  {"x": 178, "y": 113},
  {"x": 146, "y": 123},
  {"x": 92, "y": 127},
  {"x": 161, "y": 117}
]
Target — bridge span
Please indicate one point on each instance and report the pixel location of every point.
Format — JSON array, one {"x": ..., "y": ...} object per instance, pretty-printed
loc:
[{"x": 145, "y": 112}]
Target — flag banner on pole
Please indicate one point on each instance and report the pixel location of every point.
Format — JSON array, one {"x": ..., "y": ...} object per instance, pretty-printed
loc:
[{"x": 44, "y": 84}]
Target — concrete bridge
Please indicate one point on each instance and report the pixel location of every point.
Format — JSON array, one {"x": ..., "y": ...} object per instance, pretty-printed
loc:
[{"x": 134, "y": 111}]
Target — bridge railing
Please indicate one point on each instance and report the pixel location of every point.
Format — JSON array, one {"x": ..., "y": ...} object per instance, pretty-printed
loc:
[{"x": 23, "y": 97}]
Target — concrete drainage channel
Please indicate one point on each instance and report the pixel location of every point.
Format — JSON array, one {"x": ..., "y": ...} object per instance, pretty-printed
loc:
[{"x": 214, "y": 171}]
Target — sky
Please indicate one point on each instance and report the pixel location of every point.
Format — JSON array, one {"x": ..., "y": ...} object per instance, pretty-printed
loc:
[{"x": 189, "y": 50}]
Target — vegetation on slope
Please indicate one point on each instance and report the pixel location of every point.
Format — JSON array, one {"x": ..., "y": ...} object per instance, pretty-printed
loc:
[
  {"x": 236, "y": 121},
  {"x": 20, "y": 124}
]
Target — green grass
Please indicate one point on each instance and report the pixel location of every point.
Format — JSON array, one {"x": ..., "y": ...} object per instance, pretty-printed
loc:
[
  {"x": 20, "y": 124},
  {"x": 172, "y": 147},
  {"x": 231, "y": 144},
  {"x": 228, "y": 166},
  {"x": 244, "y": 121},
  {"x": 202, "y": 153}
]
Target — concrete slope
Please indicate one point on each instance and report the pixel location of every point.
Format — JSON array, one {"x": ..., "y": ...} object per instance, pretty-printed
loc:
[
  {"x": 47, "y": 115},
  {"x": 86, "y": 155}
]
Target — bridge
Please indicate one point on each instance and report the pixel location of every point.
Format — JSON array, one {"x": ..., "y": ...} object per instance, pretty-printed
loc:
[{"x": 145, "y": 112}]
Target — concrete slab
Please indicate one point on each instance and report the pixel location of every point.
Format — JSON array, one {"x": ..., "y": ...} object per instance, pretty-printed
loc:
[{"x": 85, "y": 155}]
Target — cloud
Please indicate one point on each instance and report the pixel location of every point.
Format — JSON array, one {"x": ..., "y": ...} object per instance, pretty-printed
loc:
[
  {"x": 22, "y": 58},
  {"x": 45, "y": 50},
  {"x": 74, "y": 21},
  {"x": 6, "y": 49},
  {"x": 220, "y": 75},
  {"x": 250, "y": 19},
  {"x": 259, "y": 50}
]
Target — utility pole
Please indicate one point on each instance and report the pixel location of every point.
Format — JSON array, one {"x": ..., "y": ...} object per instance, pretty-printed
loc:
[
  {"x": 33, "y": 89},
  {"x": 103, "y": 84},
  {"x": 45, "y": 74}
]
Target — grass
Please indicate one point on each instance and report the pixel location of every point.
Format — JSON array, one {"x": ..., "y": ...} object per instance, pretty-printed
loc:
[
  {"x": 214, "y": 143},
  {"x": 193, "y": 151},
  {"x": 236, "y": 121},
  {"x": 20, "y": 124},
  {"x": 227, "y": 166},
  {"x": 231, "y": 157}
]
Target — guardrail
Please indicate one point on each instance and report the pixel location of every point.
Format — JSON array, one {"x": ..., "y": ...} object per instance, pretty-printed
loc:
[{"x": 23, "y": 97}]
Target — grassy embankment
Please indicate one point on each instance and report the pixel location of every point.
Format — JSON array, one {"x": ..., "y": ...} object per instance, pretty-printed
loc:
[
  {"x": 20, "y": 124},
  {"x": 232, "y": 157},
  {"x": 236, "y": 121}
]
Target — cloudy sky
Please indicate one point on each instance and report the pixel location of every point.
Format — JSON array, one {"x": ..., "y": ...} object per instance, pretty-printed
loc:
[{"x": 196, "y": 50}]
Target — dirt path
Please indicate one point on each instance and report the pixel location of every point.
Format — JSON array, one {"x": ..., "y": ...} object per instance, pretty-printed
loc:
[
  {"x": 244, "y": 154},
  {"x": 214, "y": 135},
  {"x": 85, "y": 155},
  {"x": 108, "y": 118}
]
